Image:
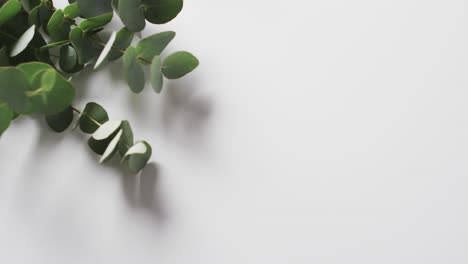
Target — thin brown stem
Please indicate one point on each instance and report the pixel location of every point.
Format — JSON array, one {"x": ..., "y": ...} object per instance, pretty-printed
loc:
[
  {"x": 87, "y": 116},
  {"x": 8, "y": 35}
]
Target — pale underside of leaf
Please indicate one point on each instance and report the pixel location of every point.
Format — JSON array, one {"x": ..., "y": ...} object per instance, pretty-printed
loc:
[
  {"x": 106, "y": 50},
  {"x": 23, "y": 41},
  {"x": 106, "y": 129},
  {"x": 138, "y": 148},
  {"x": 111, "y": 147}
]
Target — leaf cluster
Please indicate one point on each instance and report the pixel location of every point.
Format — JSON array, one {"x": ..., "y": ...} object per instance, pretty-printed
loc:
[{"x": 40, "y": 45}]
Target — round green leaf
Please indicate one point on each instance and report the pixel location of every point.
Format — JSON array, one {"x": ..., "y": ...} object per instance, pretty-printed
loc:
[
  {"x": 179, "y": 64},
  {"x": 92, "y": 8},
  {"x": 162, "y": 11},
  {"x": 23, "y": 41},
  {"x": 61, "y": 121},
  {"x": 9, "y": 10},
  {"x": 122, "y": 41},
  {"x": 156, "y": 74},
  {"x": 72, "y": 11},
  {"x": 99, "y": 146},
  {"x": 58, "y": 27},
  {"x": 153, "y": 45},
  {"x": 31, "y": 70},
  {"x": 92, "y": 111},
  {"x": 105, "y": 51},
  {"x": 6, "y": 115},
  {"x": 96, "y": 22},
  {"x": 127, "y": 138},
  {"x": 68, "y": 60},
  {"x": 33, "y": 18},
  {"x": 54, "y": 93},
  {"x": 54, "y": 44},
  {"x": 4, "y": 59},
  {"x": 107, "y": 129},
  {"x": 13, "y": 86},
  {"x": 28, "y": 5},
  {"x": 45, "y": 13},
  {"x": 132, "y": 15},
  {"x": 111, "y": 148},
  {"x": 84, "y": 46},
  {"x": 133, "y": 71},
  {"x": 138, "y": 156}
]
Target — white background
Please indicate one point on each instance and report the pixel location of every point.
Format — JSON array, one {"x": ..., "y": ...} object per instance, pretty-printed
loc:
[{"x": 312, "y": 132}]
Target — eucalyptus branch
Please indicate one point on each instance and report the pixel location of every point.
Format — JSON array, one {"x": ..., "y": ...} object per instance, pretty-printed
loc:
[{"x": 31, "y": 83}]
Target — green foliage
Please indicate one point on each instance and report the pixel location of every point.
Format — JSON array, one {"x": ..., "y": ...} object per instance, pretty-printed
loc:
[
  {"x": 179, "y": 64},
  {"x": 95, "y": 22},
  {"x": 9, "y": 10},
  {"x": 61, "y": 121},
  {"x": 6, "y": 115},
  {"x": 91, "y": 116},
  {"x": 32, "y": 71},
  {"x": 72, "y": 11},
  {"x": 58, "y": 27},
  {"x": 156, "y": 74},
  {"x": 123, "y": 40},
  {"x": 162, "y": 11},
  {"x": 133, "y": 71},
  {"x": 132, "y": 15},
  {"x": 153, "y": 45}
]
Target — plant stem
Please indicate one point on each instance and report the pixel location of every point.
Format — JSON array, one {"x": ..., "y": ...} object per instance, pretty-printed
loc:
[
  {"x": 95, "y": 39},
  {"x": 102, "y": 44},
  {"x": 92, "y": 120},
  {"x": 87, "y": 116},
  {"x": 8, "y": 35}
]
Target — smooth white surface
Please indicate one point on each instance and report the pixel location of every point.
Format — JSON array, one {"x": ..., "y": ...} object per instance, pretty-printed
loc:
[{"x": 312, "y": 132}]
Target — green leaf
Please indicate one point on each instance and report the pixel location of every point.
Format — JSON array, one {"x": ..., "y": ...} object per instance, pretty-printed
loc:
[
  {"x": 72, "y": 11},
  {"x": 122, "y": 41},
  {"x": 99, "y": 146},
  {"x": 92, "y": 111},
  {"x": 31, "y": 70},
  {"x": 156, "y": 74},
  {"x": 53, "y": 93},
  {"x": 9, "y": 10},
  {"x": 28, "y": 5},
  {"x": 133, "y": 71},
  {"x": 84, "y": 46},
  {"x": 111, "y": 148},
  {"x": 58, "y": 27},
  {"x": 52, "y": 45},
  {"x": 105, "y": 51},
  {"x": 127, "y": 138},
  {"x": 95, "y": 22},
  {"x": 138, "y": 156},
  {"x": 68, "y": 60},
  {"x": 61, "y": 121},
  {"x": 92, "y": 8},
  {"x": 23, "y": 41},
  {"x": 6, "y": 116},
  {"x": 13, "y": 86},
  {"x": 162, "y": 11},
  {"x": 33, "y": 18},
  {"x": 179, "y": 64},
  {"x": 153, "y": 45},
  {"x": 107, "y": 129},
  {"x": 4, "y": 59},
  {"x": 132, "y": 15},
  {"x": 45, "y": 13}
]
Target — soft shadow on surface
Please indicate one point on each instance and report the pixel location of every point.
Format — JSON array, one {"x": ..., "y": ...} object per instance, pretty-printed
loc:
[
  {"x": 185, "y": 112},
  {"x": 142, "y": 192}
]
